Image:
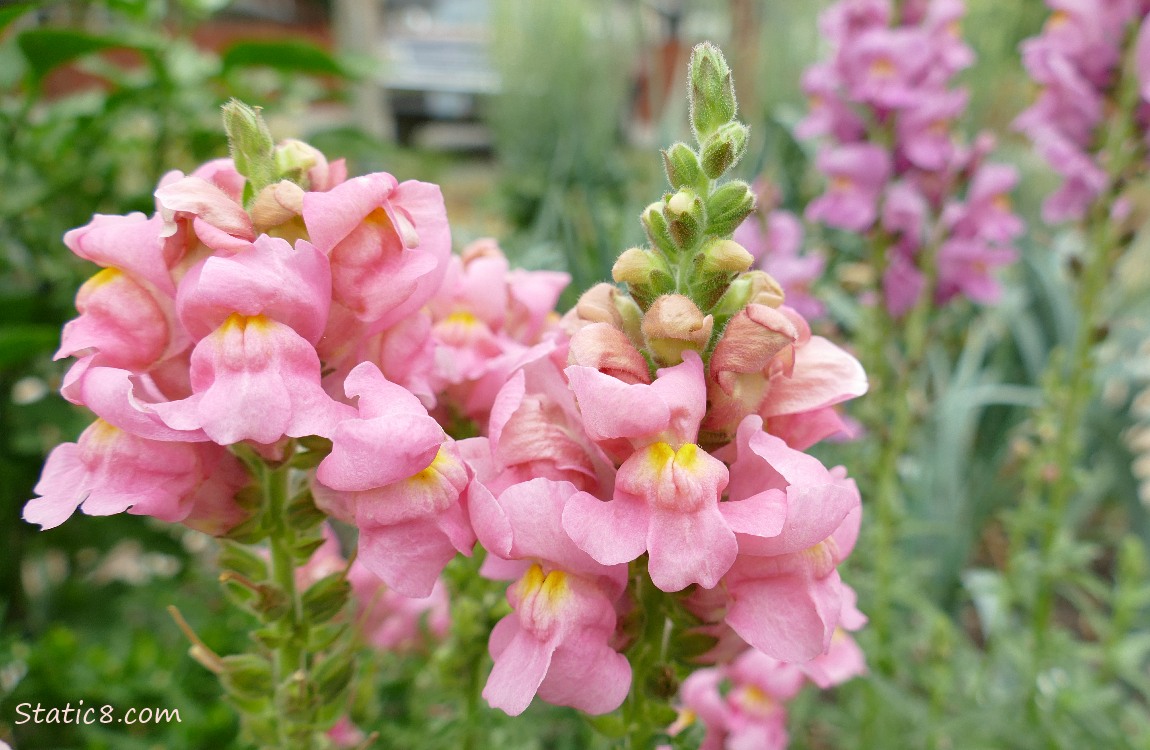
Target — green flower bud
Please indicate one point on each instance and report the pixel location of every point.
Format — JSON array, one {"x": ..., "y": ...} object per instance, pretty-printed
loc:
[
  {"x": 247, "y": 676},
  {"x": 251, "y": 146},
  {"x": 333, "y": 675},
  {"x": 294, "y": 159},
  {"x": 724, "y": 149},
  {"x": 686, "y": 218},
  {"x": 326, "y": 598},
  {"x": 712, "y": 91},
  {"x": 645, "y": 273},
  {"x": 682, "y": 166},
  {"x": 752, "y": 287},
  {"x": 655, "y": 224},
  {"x": 715, "y": 267},
  {"x": 632, "y": 319},
  {"x": 728, "y": 207}
]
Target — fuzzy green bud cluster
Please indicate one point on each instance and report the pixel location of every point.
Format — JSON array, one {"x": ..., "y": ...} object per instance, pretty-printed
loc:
[{"x": 693, "y": 278}]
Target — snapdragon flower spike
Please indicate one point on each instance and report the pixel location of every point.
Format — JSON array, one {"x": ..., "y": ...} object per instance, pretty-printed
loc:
[
  {"x": 786, "y": 596},
  {"x": 388, "y": 243},
  {"x": 885, "y": 104},
  {"x": 556, "y": 641},
  {"x": 667, "y": 491},
  {"x": 399, "y": 478},
  {"x": 1077, "y": 60},
  {"x": 110, "y": 471}
]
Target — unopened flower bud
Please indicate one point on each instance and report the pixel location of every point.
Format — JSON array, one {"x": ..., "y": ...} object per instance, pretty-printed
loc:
[
  {"x": 682, "y": 166},
  {"x": 674, "y": 324},
  {"x": 295, "y": 159},
  {"x": 728, "y": 207},
  {"x": 655, "y": 224},
  {"x": 724, "y": 149},
  {"x": 753, "y": 338},
  {"x": 326, "y": 598},
  {"x": 276, "y": 204},
  {"x": 712, "y": 91},
  {"x": 645, "y": 273},
  {"x": 251, "y": 145},
  {"x": 632, "y": 316},
  {"x": 686, "y": 218},
  {"x": 246, "y": 676},
  {"x": 725, "y": 256},
  {"x": 608, "y": 350},
  {"x": 597, "y": 305},
  {"x": 765, "y": 290}
]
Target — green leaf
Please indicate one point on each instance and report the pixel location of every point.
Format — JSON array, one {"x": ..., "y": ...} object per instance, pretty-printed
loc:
[
  {"x": 47, "y": 49},
  {"x": 289, "y": 56},
  {"x": 24, "y": 341},
  {"x": 12, "y": 12}
]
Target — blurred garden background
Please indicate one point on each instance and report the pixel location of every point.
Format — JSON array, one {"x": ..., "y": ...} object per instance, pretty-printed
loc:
[{"x": 541, "y": 121}]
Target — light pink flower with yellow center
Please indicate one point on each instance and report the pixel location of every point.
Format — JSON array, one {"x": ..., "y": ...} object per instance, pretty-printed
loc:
[
  {"x": 254, "y": 379},
  {"x": 666, "y": 499},
  {"x": 555, "y": 642}
]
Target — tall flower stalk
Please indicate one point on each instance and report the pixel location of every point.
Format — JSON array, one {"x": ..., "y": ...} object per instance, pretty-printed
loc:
[
  {"x": 934, "y": 213},
  {"x": 1089, "y": 120}
]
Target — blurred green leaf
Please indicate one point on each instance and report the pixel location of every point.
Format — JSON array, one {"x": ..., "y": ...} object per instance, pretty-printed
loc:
[
  {"x": 47, "y": 49},
  {"x": 22, "y": 342},
  {"x": 289, "y": 56}
]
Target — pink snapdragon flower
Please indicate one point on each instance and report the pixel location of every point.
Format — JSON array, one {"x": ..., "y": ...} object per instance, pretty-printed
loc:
[
  {"x": 667, "y": 491},
  {"x": 388, "y": 244},
  {"x": 535, "y": 431},
  {"x": 400, "y": 479},
  {"x": 486, "y": 319},
  {"x": 110, "y": 471},
  {"x": 556, "y": 641},
  {"x": 858, "y": 173}
]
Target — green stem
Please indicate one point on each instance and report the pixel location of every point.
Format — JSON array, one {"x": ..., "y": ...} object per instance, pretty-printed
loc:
[{"x": 291, "y": 657}]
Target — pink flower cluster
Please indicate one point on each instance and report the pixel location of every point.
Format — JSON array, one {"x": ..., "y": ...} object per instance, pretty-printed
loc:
[
  {"x": 332, "y": 308},
  {"x": 885, "y": 106},
  {"x": 742, "y": 705},
  {"x": 1076, "y": 61}
]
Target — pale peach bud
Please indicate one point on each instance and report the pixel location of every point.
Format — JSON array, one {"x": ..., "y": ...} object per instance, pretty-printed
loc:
[
  {"x": 607, "y": 349},
  {"x": 765, "y": 290},
  {"x": 277, "y": 204},
  {"x": 597, "y": 305},
  {"x": 635, "y": 266},
  {"x": 674, "y": 324},
  {"x": 725, "y": 256}
]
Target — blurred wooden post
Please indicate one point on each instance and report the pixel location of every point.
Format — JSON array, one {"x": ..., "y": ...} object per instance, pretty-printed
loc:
[
  {"x": 745, "y": 40},
  {"x": 358, "y": 27}
]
